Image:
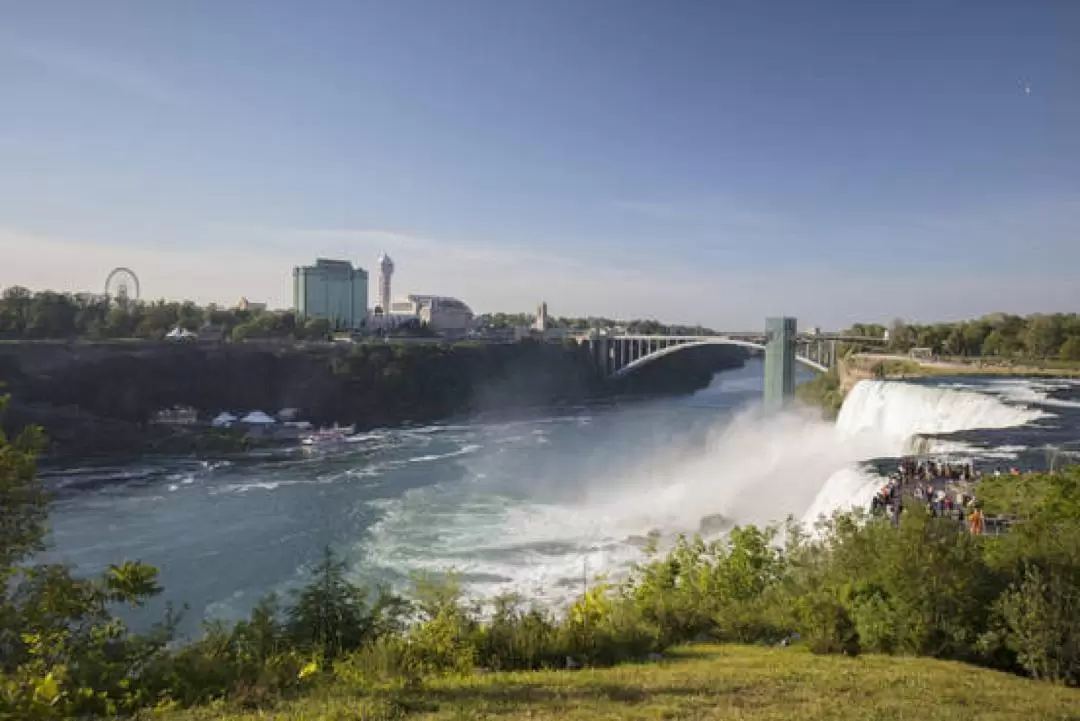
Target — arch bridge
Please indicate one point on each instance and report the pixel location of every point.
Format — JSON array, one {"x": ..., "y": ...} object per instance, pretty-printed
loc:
[{"x": 619, "y": 355}]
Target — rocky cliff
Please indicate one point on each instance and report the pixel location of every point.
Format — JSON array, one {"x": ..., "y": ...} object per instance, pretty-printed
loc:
[{"x": 104, "y": 395}]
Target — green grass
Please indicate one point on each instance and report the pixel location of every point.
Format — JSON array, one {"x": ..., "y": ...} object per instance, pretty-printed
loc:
[
  {"x": 700, "y": 682},
  {"x": 1053, "y": 369}
]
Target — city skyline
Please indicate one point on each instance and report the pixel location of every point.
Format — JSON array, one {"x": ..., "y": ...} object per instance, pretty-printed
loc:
[{"x": 713, "y": 164}]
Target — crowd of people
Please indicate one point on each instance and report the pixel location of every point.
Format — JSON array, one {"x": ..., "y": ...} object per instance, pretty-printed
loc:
[{"x": 946, "y": 489}]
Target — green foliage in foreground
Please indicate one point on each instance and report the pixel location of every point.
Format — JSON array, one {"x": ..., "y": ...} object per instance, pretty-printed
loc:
[{"x": 926, "y": 588}]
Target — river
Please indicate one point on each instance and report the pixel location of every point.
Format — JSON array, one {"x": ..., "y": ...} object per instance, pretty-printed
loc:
[{"x": 533, "y": 505}]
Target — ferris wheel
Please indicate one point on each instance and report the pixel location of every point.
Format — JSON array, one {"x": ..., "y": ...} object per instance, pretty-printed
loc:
[{"x": 122, "y": 285}]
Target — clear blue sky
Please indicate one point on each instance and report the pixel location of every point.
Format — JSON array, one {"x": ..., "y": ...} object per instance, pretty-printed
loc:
[{"x": 710, "y": 161}]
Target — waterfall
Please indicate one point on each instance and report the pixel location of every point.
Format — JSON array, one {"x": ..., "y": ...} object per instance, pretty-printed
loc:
[
  {"x": 888, "y": 416},
  {"x": 900, "y": 411}
]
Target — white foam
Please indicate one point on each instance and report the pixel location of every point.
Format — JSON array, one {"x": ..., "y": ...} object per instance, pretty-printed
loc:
[
  {"x": 530, "y": 548},
  {"x": 464, "y": 450},
  {"x": 361, "y": 437},
  {"x": 252, "y": 486},
  {"x": 1032, "y": 391},
  {"x": 950, "y": 449}
]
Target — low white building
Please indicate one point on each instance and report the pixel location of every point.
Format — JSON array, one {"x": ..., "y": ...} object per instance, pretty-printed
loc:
[
  {"x": 258, "y": 418},
  {"x": 447, "y": 316},
  {"x": 224, "y": 420},
  {"x": 179, "y": 333}
]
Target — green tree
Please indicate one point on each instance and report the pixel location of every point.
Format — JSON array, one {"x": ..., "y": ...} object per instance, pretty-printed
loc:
[
  {"x": 1070, "y": 349},
  {"x": 932, "y": 337},
  {"x": 994, "y": 344},
  {"x": 62, "y": 652},
  {"x": 246, "y": 331},
  {"x": 975, "y": 333},
  {"x": 15, "y": 310},
  {"x": 954, "y": 342},
  {"x": 901, "y": 336},
  {"x": 1044, "y": 336},
  {"x": 331, "y": 615},
  {"x": 23, "y": 501},
  {"x": 1041, "y": 619},
  {"x": 316, "y": 328}
]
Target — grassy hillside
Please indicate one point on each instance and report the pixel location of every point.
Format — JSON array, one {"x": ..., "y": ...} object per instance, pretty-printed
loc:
[
  {"x": 886, "y": 366},
  {"x": 700, "y": 682}
]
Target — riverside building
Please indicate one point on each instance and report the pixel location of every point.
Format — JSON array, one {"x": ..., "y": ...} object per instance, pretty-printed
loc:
[{"x": 334, "y": 290}]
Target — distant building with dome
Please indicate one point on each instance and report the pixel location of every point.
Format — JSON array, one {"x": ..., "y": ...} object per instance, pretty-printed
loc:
[{"x": 449, "y": 317}]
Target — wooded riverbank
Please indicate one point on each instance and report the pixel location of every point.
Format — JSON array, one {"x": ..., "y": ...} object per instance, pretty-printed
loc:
[{"x": 102, "y": 398}]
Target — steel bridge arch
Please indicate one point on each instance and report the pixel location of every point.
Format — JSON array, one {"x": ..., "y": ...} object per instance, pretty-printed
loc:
[{"x": 675, "y": 347}]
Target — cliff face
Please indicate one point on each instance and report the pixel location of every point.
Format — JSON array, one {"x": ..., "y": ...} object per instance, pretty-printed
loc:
[{"x": 75, "y": 390}]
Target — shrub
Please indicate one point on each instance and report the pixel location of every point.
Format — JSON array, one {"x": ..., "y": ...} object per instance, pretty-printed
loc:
[
  {"x": 331, "y": 616},
  {"x": 516, "y": 638},
  {"x": 443, "y": 640},
  {"x": 1040, "y": 619},
  {"x": 715, "y": 589}
]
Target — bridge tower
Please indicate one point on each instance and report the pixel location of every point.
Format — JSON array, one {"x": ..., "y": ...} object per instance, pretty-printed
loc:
[{"x": 781, "y": 335}]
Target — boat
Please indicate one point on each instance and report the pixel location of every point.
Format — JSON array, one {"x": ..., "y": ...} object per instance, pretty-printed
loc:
[{"x": 328, "y": 436}]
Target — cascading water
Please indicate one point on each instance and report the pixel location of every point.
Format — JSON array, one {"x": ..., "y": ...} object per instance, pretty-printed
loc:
[
  {"x": 759, "y": 468},
  {"x": 903, "y": 410},
  {"x": 889, "y": 415}
]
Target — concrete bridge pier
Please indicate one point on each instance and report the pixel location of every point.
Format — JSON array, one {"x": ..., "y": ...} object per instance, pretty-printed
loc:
[
  {"x": 601, "y": 353},
  {"x": 781, "y": 335}
]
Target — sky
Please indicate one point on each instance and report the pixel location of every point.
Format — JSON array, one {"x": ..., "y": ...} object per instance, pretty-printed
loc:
[{"x": 702, "y": 161}]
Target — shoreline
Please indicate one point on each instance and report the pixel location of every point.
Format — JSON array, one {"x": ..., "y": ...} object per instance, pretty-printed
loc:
[
  {"x": 207, "y": 443},
  {"x": 101, "y": 400}
]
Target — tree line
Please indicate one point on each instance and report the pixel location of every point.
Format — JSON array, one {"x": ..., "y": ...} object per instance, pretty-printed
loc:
[
  {"x": 646, "y": 326},
  {"x": 47, "y": 315},
  {"x": 1000, "y": 335},
  {"x": 26, "y": 315}
]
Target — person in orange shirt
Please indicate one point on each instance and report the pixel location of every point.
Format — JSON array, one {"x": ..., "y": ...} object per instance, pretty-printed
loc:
[{"x": 976, "y": 522}]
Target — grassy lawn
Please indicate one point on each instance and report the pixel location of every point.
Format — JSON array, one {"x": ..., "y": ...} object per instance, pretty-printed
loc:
[
  {"x": 1052, "y": 369},
  {"x": 701, "y": 682}
]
